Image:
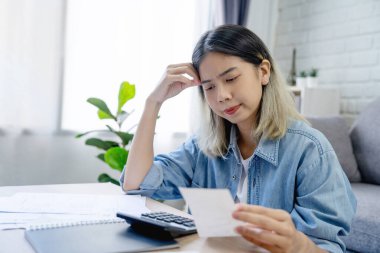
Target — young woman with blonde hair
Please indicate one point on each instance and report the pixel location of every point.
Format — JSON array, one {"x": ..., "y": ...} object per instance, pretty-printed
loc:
[{"x": 293, "y": 193}]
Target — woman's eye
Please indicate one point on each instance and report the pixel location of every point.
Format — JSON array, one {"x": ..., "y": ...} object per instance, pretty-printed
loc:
[
  {"x": 209, "y": 87},
  {"x": 231, "y": 79}
]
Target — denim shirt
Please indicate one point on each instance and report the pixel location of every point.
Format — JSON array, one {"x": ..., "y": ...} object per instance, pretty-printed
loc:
[{"x": 299, "y": 173}]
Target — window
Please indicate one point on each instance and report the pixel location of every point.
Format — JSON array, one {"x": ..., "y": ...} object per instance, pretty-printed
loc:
[{"x": 108, "y": 42}]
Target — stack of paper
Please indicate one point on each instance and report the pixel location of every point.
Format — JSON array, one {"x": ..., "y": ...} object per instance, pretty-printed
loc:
[{"x": 25, "y": 209}]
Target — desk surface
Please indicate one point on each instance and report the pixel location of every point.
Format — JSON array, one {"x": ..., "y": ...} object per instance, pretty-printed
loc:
[{"x": 13, "y": 240}]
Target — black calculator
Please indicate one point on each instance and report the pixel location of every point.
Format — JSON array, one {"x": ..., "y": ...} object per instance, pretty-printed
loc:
[{"x": 155, "y": 222}]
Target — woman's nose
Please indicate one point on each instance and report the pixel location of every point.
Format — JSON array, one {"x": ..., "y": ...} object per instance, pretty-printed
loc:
[{"x": 223, "y": 93}]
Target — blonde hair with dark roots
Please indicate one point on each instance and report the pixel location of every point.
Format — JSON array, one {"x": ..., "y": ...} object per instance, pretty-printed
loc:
[{"x": 276, "y": 107}]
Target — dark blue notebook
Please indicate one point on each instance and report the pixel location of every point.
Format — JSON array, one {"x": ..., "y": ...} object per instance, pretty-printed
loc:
[{"x": 96, "y": 238}]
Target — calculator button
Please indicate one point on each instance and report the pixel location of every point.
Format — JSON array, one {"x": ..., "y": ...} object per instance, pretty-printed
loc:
[{"x": 169, "y": 218}]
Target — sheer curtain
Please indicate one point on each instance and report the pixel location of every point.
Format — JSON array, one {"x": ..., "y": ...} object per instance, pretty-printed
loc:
[
  {"x": 108, "y": 42},
  {"x": 30, "y": 65},
  {"x": 262, "y": 19}
]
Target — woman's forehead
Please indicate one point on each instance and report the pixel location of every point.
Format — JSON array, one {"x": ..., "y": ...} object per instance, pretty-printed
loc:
[{"x": 215, "y": 64}]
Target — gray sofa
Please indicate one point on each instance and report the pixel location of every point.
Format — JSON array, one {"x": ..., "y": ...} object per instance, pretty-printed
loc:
[{"x": 358, "y": 150}]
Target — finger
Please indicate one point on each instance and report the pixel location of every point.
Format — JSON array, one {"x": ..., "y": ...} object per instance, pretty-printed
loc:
[
  {"x": 187, "y": 64},
  {"x": 262, "y": 244},
  {"x": 180, "y": 65},
  {"x": 262, "y": 221},
  {"x": 184, "y": 69},
  {"x": 277, "y": 214},
  {"x": 264, "y": 236},
  {"x": 185, "y": 82}
]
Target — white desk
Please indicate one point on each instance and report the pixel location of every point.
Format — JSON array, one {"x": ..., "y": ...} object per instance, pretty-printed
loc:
[{"x": 13, "y": 241}]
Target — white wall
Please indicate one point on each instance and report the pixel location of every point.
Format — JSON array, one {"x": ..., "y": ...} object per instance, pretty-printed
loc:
[
  {"x": 339, "y": 37},
  {"x": 59, "y": 159},
  {"x": 47, "y": 159}
]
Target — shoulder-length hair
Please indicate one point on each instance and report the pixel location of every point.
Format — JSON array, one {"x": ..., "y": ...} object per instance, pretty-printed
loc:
[{"x": 276, "y": 106}]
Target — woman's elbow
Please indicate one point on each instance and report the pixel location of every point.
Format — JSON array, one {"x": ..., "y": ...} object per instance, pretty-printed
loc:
[{"x": 129, "y": 186}]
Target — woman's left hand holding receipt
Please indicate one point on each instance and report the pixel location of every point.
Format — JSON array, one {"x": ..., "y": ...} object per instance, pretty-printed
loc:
[{"x": 272, "y": 229}]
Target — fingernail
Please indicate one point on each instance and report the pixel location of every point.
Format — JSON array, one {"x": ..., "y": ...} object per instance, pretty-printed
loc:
[
  {"x": 238, "y": 206},
  {"x": 256, "y": 230}
]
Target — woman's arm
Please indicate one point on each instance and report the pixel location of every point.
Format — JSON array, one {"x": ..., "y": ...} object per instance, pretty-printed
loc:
[{"x": 140, "y": 157}]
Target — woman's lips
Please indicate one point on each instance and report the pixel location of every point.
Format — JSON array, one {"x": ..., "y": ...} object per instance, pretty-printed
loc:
[{"x": 232, "y": 110}]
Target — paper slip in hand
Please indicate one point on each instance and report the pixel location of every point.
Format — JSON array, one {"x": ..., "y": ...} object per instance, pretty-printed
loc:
[{"x": 212, "y": 211}]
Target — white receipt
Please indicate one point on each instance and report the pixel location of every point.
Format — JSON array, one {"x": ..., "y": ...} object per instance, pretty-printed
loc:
[{"x": 212, "y": 211}]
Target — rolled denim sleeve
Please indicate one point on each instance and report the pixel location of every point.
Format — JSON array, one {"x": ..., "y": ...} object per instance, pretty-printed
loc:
[
  {"x": 325, "y": 203},
  {"x": 168, "y": 172}
]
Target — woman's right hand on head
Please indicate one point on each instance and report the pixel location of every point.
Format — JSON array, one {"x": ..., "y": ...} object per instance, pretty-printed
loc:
[{"x": 174, "y": 81}]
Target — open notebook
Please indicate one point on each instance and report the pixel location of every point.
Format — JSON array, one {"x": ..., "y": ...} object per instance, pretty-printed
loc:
[{"x": 98, "y": 237}]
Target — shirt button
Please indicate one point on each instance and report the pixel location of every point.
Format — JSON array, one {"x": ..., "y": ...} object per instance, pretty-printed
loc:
[{"x": 233, "y": 177}]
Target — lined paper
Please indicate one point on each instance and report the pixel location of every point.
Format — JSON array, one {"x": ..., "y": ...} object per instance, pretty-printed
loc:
[{"x": 23, "y": 209}]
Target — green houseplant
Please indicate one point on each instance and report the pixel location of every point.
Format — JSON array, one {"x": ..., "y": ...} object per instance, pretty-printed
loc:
[{"x": 114, "y": 153}]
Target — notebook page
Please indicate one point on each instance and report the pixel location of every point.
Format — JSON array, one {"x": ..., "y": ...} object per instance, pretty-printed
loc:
[{"x": 60, "y": 203}]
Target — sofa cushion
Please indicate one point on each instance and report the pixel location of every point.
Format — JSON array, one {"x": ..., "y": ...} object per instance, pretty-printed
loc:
[
  {"x": 337, "y": 132},
  {"x": 365, "y": 230},
  {"x": 365, "y": 137}
]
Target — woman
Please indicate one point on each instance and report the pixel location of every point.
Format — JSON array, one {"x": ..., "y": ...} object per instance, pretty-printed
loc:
[{"x": 293, "y": 193}]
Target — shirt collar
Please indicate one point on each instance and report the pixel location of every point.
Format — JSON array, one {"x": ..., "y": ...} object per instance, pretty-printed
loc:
[{"x": 267, "y": 148}]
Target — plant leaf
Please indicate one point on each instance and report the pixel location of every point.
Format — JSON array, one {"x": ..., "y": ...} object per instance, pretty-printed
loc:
[
  {"x": 116, "y": 158},
  {"x": 102, "y": 106},
  {"x": 103, "y": 115},
  {"x": 105, "y": 145},
  {"x": 105, "y": 178},
  {"x": 82, "y": 134},
  {"x": 124, "y": 136},
  {"x": 127, "y": 91},
  {"x": 101, "y": 157}
]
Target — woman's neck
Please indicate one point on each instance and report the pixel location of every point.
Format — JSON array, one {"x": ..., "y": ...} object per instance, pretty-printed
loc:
[{"x": 247, "y": 144}]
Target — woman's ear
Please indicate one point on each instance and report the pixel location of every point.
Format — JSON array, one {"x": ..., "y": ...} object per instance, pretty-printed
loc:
[{"x": 264, "y": 69}]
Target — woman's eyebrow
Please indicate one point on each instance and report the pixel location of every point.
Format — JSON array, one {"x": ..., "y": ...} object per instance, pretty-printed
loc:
[{"x": 220, "y": 75}]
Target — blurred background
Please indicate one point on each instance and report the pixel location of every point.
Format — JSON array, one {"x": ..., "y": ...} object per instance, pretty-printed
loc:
[{"x": 54, "y": 54}]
